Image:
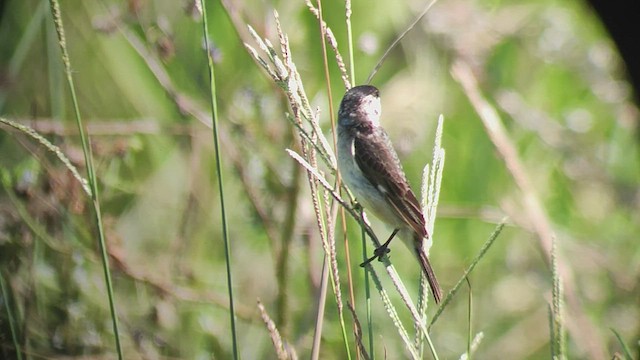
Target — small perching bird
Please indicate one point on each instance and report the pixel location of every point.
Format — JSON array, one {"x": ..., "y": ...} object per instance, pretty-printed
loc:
[{"x": 371, "y": 169}]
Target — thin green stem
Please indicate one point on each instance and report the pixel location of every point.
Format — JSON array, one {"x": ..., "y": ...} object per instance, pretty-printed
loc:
[
  {"x": 432, "y": 348},
  {"x": 91, "y": 174},
  {"x": 12, "y": 324},
  {"x": 481, "y": 253},
  {"x": 469, "y": 319},
  {"x": 625, "y": 349},
  {"x": 216, "y": 144},
  {"x": 393, "y": 314},
  {"x": 367, "y": 287},
  {"x": 397, "y": 40}
]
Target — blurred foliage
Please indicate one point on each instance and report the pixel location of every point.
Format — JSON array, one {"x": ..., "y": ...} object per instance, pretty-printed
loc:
[{"x": 140, "y": 71}]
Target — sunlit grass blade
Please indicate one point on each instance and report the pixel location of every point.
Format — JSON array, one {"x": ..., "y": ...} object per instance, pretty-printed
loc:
[
  {"x": 388, "y": 305},
  {"x": 430, "y": 195},
  {"x": 352, "y": 64},
  {"x": 557, "y": 321},
  {"x": 52, "y": 148},
  {"x": 283, "y": 350},
  {"x": 475, "y": 343}
]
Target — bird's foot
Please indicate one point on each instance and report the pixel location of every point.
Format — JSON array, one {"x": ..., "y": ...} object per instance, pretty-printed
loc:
[
  {"x": 378, "y": 253},
  {"x": 381, "y": 250}
]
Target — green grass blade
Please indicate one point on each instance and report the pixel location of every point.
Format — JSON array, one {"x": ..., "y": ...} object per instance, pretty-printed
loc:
[
  {"x": 393, "y": 314},
  {"x": 12, "y": 323},
  {"x": 625, "y": 349},
  {"x": 216, "y": 144},
  {"x": 397, "y": 40},
  {"x": 475, "y": 261},
  {"x": 88, "y": 158},
  {"x": 367, "y": 288},
  {"x": 52, "y": 148},
  {"x": 469, "y": 319}
]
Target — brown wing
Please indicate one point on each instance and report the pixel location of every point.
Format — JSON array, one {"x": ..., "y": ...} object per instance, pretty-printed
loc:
[{"x": 379, "y": 163}]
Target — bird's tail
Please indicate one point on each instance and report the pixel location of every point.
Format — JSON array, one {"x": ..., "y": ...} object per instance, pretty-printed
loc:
[{"x": 428, "y": 271}]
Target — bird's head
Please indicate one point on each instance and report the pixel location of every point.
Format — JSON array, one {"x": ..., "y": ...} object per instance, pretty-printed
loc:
[{"x": 360, "y": 106}]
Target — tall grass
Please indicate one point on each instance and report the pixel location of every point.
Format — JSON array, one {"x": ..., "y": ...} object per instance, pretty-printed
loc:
[
  {"x": 91, "y": 172},
  {"x": 218, "y": 166}
]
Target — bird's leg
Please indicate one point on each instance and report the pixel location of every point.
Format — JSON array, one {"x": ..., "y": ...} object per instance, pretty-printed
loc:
[{"x": 382, "y": 250}]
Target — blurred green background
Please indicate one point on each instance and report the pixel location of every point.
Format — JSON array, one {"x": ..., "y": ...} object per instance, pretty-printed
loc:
[{"x": 141, "y": 76}]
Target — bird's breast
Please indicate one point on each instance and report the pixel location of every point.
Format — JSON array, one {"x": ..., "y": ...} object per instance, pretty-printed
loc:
[{"x": 370, "y": 197}]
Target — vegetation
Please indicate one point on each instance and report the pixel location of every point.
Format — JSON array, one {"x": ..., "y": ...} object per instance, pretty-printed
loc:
[{"x": 537, "y": 204}]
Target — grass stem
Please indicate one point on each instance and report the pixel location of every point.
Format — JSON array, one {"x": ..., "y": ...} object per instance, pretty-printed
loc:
[
  {"x": 216, "y": 144},
  {"x": 483, "y": 250},
  {"x": 12, "y": 323},
  {"x": 91, "y": 174}
]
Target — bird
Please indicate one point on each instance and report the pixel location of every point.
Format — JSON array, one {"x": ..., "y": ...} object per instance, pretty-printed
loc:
[{"x": 370, "y": 168}]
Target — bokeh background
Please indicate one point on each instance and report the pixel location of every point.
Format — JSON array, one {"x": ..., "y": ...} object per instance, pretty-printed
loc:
[{"x": 548, "y": 67}]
